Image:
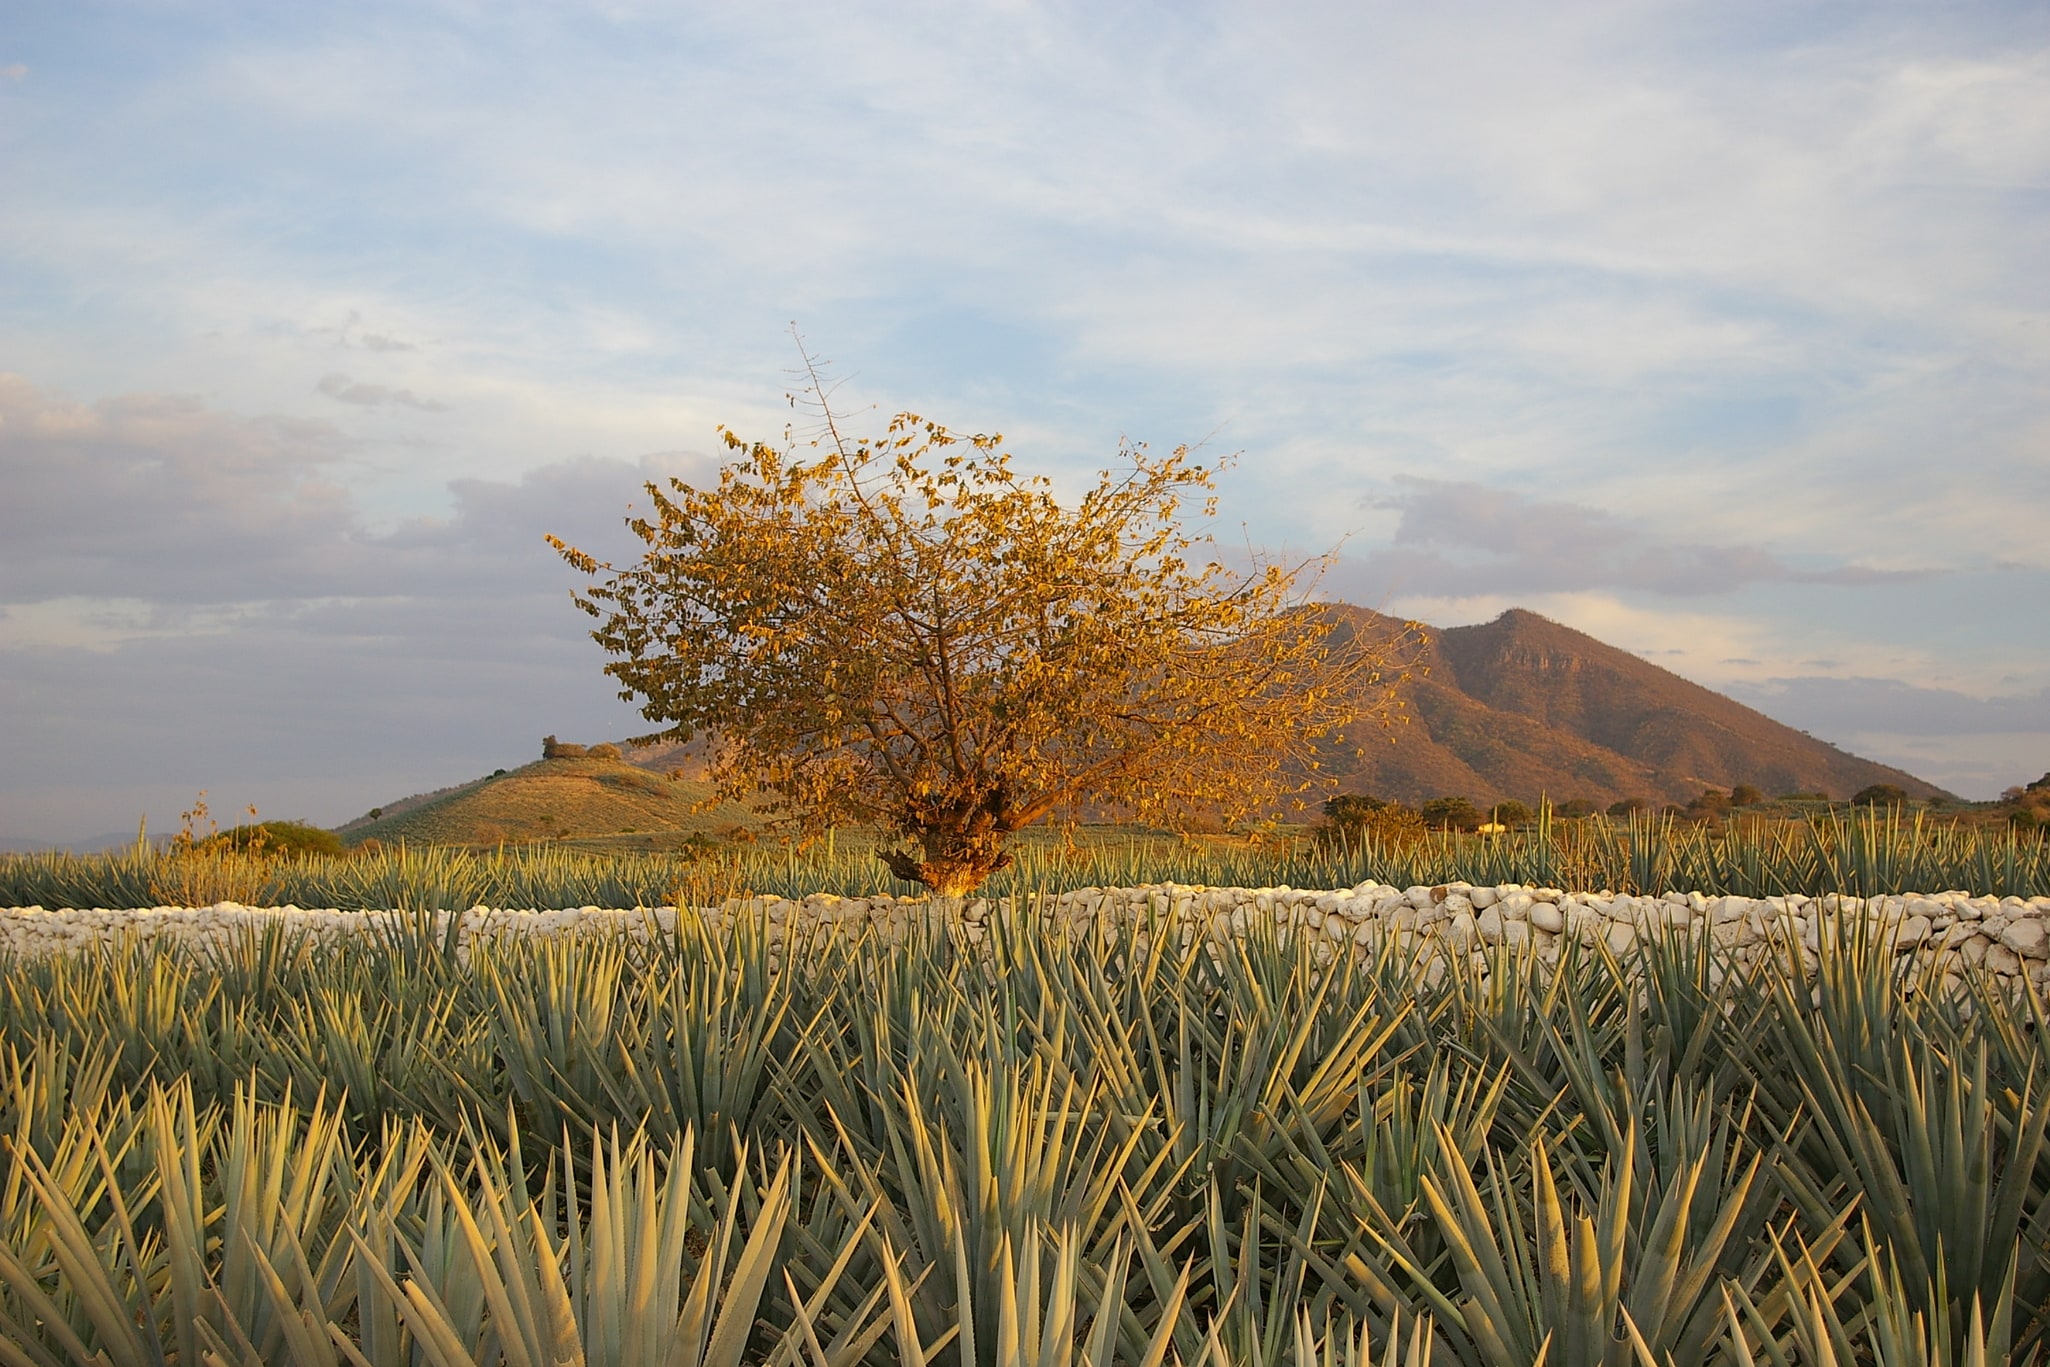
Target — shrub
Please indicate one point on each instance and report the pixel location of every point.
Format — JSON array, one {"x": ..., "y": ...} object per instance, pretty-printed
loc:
[
  {"x": 1576, "y": 807},
  {"x": 291, "y": 839},
  {"x": 1629, "y": 805},
  {"x": 551, "y": 748},
  {"x": 1745, "y": 795},
  {"x": 1880, "y": 795},
  {"x": 603, "y": 751}
]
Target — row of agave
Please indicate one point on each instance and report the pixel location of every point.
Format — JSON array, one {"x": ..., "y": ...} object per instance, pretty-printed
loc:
[
  {"x": 1867, "y": 852},
  {"x": 1044, "y": 1150}
]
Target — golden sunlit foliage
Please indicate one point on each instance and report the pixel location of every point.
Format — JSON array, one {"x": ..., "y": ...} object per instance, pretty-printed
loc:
[{"x": 908, "y": 632}]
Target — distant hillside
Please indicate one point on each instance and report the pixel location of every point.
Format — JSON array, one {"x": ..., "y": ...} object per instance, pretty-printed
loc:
[
  {"x": 96, "y": 845},
  {"x": 1522, "y": 706},
  {"x": 618, "y": 804}
]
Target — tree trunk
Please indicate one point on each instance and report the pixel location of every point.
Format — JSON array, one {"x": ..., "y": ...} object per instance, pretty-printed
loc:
[
  {"x": 946, "y": 878},
  {"x": 960, "y": 844}
]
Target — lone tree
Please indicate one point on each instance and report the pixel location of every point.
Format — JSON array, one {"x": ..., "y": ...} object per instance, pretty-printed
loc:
[{"x": 905, "y": 632}]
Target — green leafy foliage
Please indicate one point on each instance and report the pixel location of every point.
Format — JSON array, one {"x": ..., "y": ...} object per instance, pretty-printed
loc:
[{"x": 284, "y": 839}]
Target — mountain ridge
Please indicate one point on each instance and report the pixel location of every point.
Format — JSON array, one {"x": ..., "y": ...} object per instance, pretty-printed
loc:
[{"x": 1523, "y": 706}]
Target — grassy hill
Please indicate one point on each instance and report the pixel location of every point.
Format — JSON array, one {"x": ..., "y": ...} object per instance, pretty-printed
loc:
[{"x": 596, "y": 804}]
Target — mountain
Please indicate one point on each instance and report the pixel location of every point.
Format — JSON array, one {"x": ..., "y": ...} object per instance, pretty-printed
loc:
[
  {"x": 1522, "y": 706},
  {"x": 607, "y": 802}
]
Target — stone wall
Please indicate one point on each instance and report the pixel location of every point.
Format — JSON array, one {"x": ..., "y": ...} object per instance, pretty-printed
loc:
[{"x": 1955, "y": 933}]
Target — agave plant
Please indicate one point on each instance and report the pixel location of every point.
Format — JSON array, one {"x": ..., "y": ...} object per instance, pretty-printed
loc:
[{"x": 1044, "y": 1145}]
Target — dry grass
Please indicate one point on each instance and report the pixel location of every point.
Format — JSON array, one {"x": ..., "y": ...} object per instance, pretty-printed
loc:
[{"x": 599, "y": 803}]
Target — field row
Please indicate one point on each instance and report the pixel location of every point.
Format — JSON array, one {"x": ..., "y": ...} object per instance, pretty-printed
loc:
[
  {"x": 1939, "y": 937},
  {"x": 1869, "y": 852},
  {"x": 1048, "y": 1148}
]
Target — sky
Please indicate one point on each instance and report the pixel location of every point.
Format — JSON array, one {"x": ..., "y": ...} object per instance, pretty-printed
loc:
[{"x": 1719, "y": 331}]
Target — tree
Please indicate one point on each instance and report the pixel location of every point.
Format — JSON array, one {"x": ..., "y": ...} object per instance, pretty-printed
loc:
[
  {"x": 1450, "y": 813},
  {"x": 1353, "y": 820},
  {"x": 1879, "y": 795},
  {"x": 1710, "y": 802},
  {"x": 1352, "y": 809},
  {"x": 907, "y": 632}
]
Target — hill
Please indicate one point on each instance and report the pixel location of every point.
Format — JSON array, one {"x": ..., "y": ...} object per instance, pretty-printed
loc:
[
  {"x": 598, "y": 803},
  {"x": 1523, "y": 706}
]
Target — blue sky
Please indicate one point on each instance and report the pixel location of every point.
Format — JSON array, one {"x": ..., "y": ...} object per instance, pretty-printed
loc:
[{"x": 1719, "y": 331}]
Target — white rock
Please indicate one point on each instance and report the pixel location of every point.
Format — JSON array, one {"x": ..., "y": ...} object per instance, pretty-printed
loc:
[
  {"x": 2026, "y": 936},
  {"x": 2002, "y": 960}
]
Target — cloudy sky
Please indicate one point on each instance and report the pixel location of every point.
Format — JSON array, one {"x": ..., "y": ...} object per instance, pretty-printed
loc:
[{"x": 1720, "y": 331}]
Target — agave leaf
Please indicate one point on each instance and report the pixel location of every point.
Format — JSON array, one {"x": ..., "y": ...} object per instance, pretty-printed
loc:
[
  {"x": 49, "y": 1318},
  {"x": 117, "y": 1310},
  {"x": 911, "y": 1348}
]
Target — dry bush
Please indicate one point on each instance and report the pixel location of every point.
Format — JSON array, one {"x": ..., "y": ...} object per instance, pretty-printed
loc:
[
  {"x": 202, "y": 870},
  {"x": 710, "y": 880}
]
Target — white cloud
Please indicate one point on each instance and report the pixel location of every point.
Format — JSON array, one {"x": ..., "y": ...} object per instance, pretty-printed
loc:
[
  {"x": 191, "y": 606},
  {"x": 1892, "y": 707},
  {"x": 168, "y": 505},
  {"x": 1457, "y": 540},
  {"x": 1654, "y": 298}
]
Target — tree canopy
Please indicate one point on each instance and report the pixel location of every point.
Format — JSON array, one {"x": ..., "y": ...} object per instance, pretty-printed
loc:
[{"x": 907, "y": 632}]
